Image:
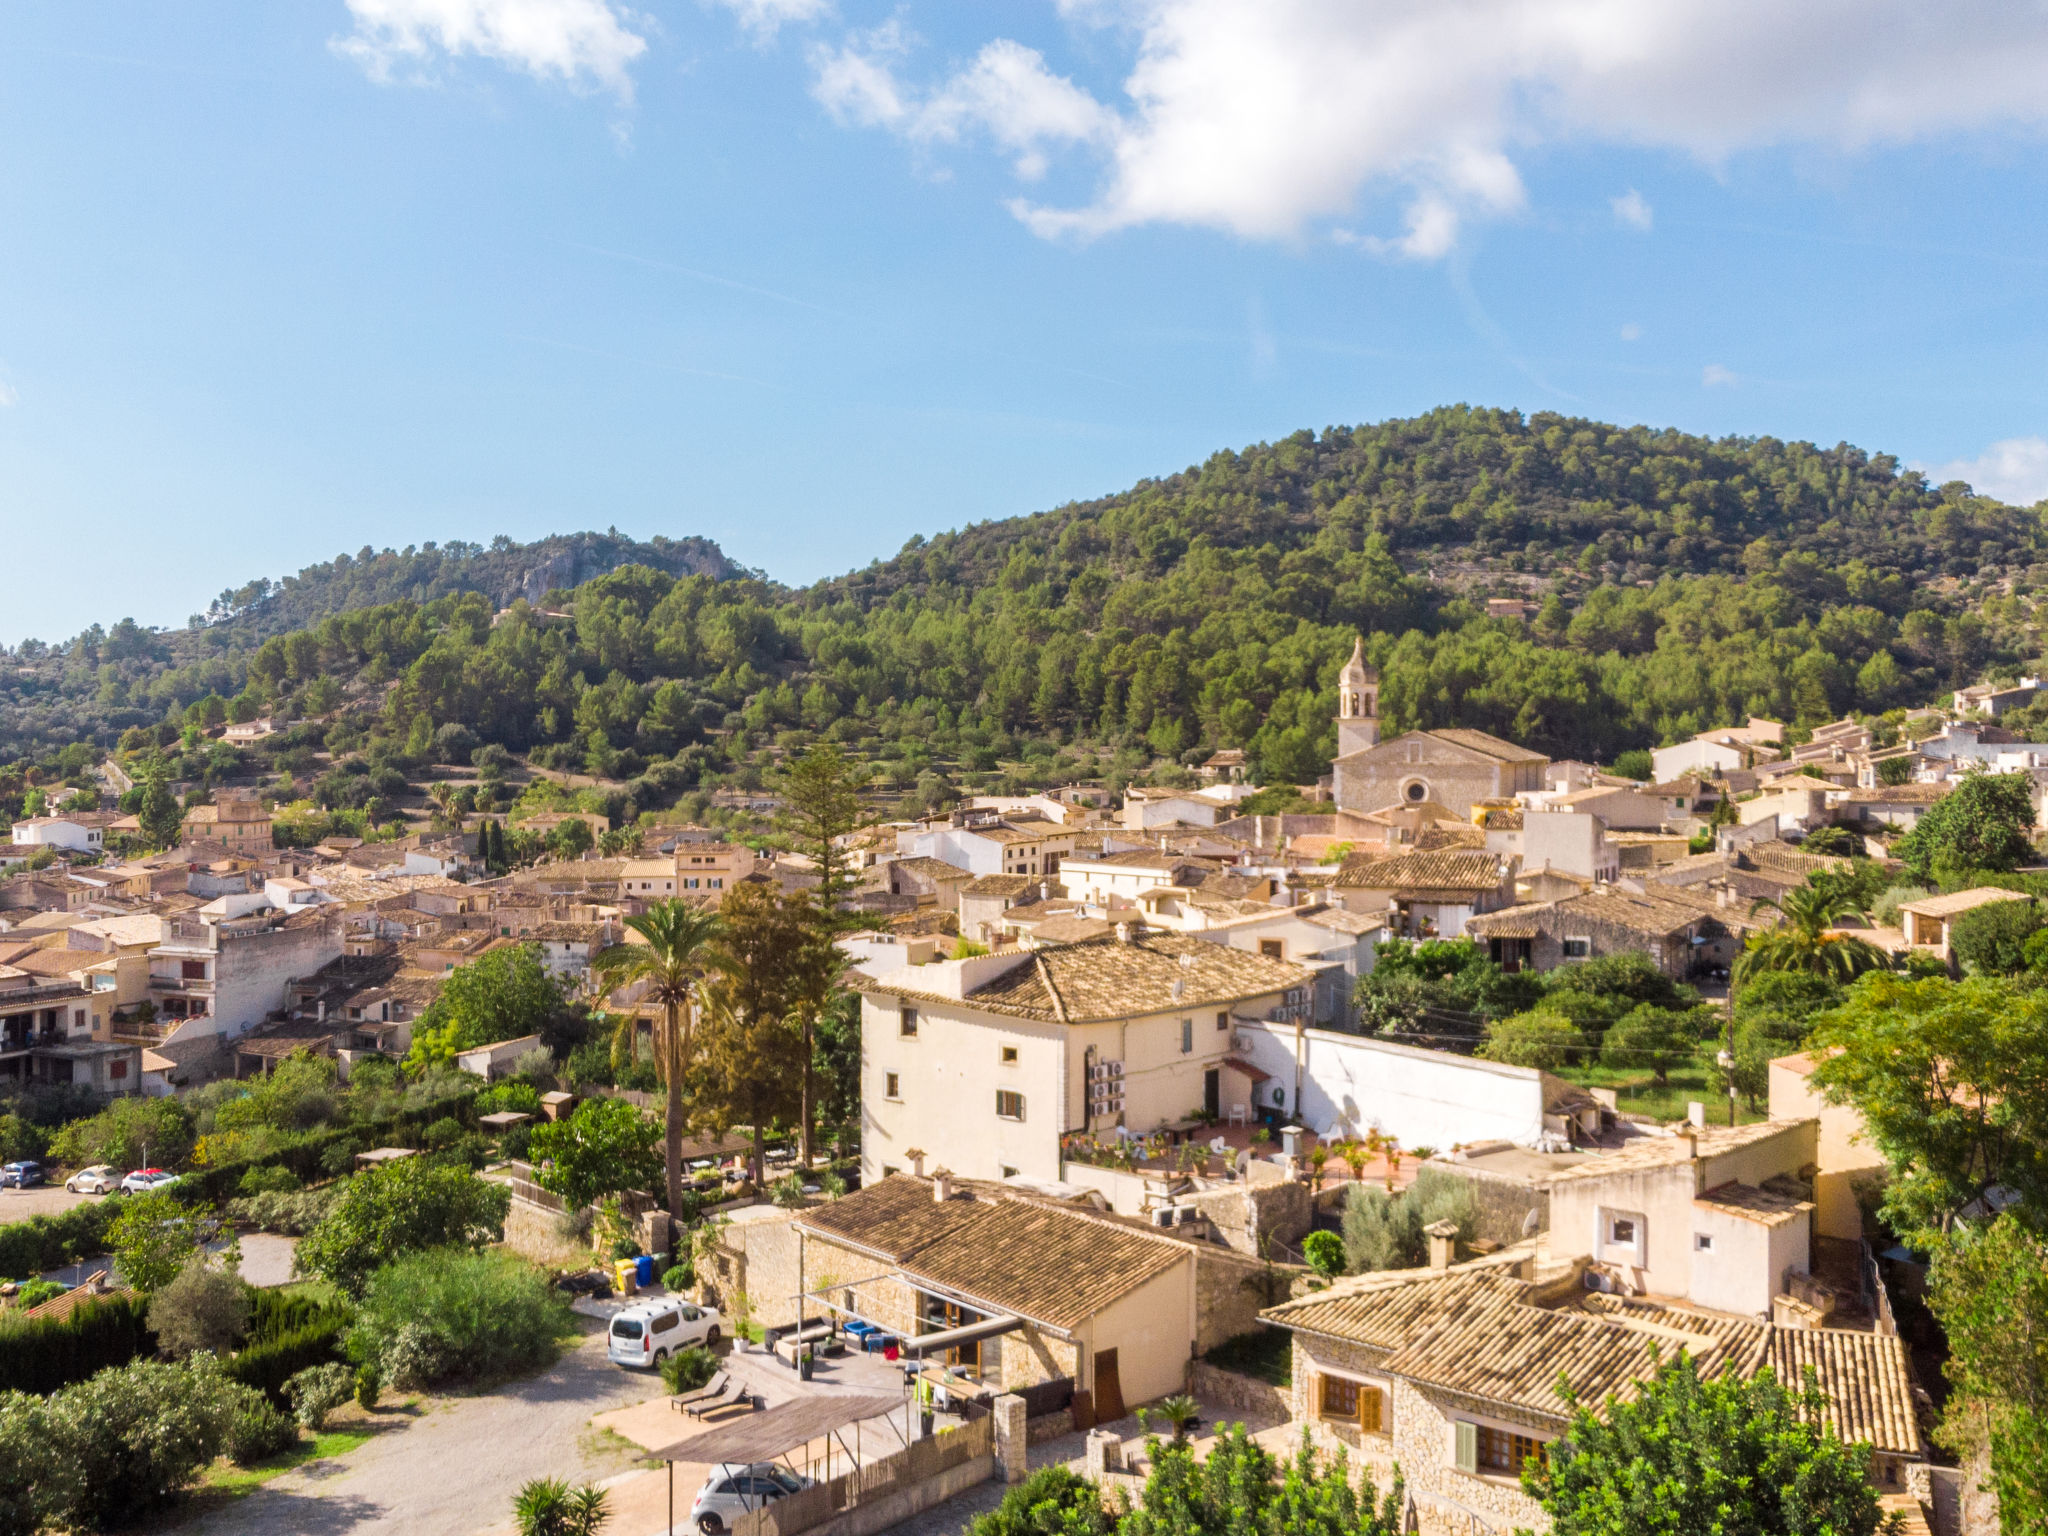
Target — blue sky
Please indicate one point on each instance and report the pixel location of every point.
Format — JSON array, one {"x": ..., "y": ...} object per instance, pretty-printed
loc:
[{"x": 810, "y": 276}]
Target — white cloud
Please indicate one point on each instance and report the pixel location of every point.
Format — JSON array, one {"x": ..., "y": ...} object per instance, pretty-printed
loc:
[
  {"x": 1271, "y": 119},
  {"x": 1714, "y": 376},
  {"x": 1631, "y": 332},
  {"x": 764, "y": 18},
  {"x": 566, "y": 39},
  {"x": 7, "y": 396},
  {"x": 1630, "y": 209},
  {"x": 2014, "y": 470}
]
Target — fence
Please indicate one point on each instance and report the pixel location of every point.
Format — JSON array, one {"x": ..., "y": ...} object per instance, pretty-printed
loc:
[{"x": 916, "y": 1463}]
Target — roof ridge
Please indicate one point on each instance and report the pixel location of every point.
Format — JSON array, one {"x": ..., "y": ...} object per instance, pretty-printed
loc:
[{"x": 1059, "y": 1002}]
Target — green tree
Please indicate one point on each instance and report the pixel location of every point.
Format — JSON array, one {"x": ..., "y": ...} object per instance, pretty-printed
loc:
[
  {"x": 1947, "y": 1077},
  {"x": 397, "y": 1208},
  {"x": 1805, "y": 939},
  {"x": 1652, "y": 1037},
  {"x": 159, "y": 813},
  {"x": 667, "y": 966},
  {"x": 1383, "y": 1231},
  {"x": 205, "y": 1307},
  {"x": 1538, "y": 1038},
  {"x": 130, "y": 1440},
  {"x": 1053, "y": 1501},
  {"x": 605, "y": 1147},
  {"x": 821, "y": 805},
  {"x": 1989, "y": 1288},
  {"x": 1985, "y": 822},
  {"x": 1992, "y": 940},
  {"x": 503, "y": 994},
  {"x": 129, "y": 1133},
  {"x": 571, "y": 839},
  {"x": 1318, "y": 1498},
  {"x": 1687, "y": 1455},
  {"x": 154, "y": 1237}
]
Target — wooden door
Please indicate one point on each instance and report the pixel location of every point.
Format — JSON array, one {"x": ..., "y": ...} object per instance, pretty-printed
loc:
[
  {"x": 1109, "y": 1392},
  {"x": 1212, "y": 1094}
]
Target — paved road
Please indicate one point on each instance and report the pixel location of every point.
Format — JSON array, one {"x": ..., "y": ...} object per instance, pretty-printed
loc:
[
  {"x": 43, "y": 1200},
  {"x": 453, "y": 1469}
]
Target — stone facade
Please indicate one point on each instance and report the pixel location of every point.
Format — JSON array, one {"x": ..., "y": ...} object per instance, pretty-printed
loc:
[{"x": 1433, "y": 766}]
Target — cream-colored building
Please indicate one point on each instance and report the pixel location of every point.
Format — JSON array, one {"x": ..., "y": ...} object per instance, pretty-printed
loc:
[
  {"x": 1929, "y": 924},
  {"x": 1847, "y": 1161},
  {"x": 237, "y": 822},
  {"x": 984, "y": 1064},
  {"x": 707, "y": 867}
]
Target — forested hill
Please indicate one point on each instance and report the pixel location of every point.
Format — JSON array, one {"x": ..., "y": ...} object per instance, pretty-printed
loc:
[{"x": 1681, "y": 582}]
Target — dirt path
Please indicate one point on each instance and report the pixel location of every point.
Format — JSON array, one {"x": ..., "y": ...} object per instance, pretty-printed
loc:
[{"x": 454, "y": 1468}]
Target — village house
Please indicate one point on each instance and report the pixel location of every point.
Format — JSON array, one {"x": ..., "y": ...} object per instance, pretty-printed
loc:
[
  {"x": 83, "y": 833},
  {"x": 1117, "y": 880},
  {"x": 1929, "y": 923},
  {"x": 230, "y": 971},
  {"x": 1425, "y": 894},
  {"x": 982, "y": 842},
  {"x": 1148, "y": 809},
  {"x": 1685, "y": 935},
  {"x": 56, "y": 1029},
  {"x": 925, "y": 880},
  {"x": 1711, "y": 753},
  {"x": 985, "y": 1063},
  {"x": 236, "y": 820}
]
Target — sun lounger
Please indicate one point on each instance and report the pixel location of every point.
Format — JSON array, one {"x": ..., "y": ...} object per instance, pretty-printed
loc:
[
  {"x": 715, "y": 1387},
  {"x": 734, "y": 1396}
]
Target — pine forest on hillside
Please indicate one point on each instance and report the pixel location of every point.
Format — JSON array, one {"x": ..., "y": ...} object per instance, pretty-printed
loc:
[{"x": 1679, "y": 583}]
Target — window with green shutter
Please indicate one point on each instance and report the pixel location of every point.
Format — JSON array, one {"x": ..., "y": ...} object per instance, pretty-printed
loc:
[{"x": 1467, "y": 1446}]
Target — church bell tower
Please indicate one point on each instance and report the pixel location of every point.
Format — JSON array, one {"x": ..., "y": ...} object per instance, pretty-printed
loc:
[{"x": 1358, "y": 704}]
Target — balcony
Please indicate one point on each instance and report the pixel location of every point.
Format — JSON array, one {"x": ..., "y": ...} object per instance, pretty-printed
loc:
[{"x": 198, "y": 984}]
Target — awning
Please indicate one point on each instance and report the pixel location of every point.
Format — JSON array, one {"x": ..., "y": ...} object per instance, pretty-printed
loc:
[
  {"x": 1237, "y": 1064},
  {"x": 952, "y": 1338},
  {"x": 768, "y": 1434}
]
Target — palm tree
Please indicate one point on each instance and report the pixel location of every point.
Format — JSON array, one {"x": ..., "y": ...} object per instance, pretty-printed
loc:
[
  {"x": 678, "y": 949},
  {"x": 445, "y": 814},
  {"x": 1806, "y": 940}
]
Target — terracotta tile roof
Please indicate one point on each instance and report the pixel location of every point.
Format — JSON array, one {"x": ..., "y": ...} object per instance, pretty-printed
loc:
[
  {"x": 999, "y": 885},
  {"x": 1644, "y": 1152},
  {"x": 1476, "y": 1334},
  {"x": 1050, "y": 1263},
  {"x": 1460, "y": 834},
  {"x": 1105, "y": 978},
  {"x": 1763, "y": 1206},
  {"x": 1899, "y": 794},
  {"x": 78, "y": 1296},
  {"x": 933, "y": 869},
  {"x": 1961, "y": 901},
  {"x": 1449, "y": 870}
]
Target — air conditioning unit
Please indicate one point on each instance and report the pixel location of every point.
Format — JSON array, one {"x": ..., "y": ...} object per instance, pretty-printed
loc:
[
  {"x": 1241, "y": 1040},
  {"x": 1189, "y": 1216},
  {"x": 1599, "y": 1280}
]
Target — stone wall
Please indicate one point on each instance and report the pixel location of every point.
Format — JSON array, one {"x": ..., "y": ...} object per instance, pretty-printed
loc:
[
  {"x": 1240, "y": 1394},
  {"x": 1244, "y": 1214},
  {"x": 1453, "y": 1503},
  {"x": 1231, "y": 1291}
]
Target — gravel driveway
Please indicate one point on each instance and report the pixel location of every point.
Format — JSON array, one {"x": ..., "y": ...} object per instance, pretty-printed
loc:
[
  {"x": 453, "y": 1469},
  {"x": 43, "y": 1200}
]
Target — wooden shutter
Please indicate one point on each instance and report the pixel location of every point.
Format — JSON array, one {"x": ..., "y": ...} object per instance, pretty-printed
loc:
[
  {"x": 1467, "y": 1446},
  {"x": 1369, "y": 1410}
]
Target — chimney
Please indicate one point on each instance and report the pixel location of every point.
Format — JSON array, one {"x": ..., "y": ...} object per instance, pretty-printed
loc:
[
  {"x": 1123, "y": 933},
  {"x": 915, "y": 1157},
  {"x": 942, "y": 1185},
  {"x": 1443, "y": 1243}
]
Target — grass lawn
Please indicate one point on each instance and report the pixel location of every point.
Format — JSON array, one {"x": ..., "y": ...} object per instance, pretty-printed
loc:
[
  {"x": 1639, "y": 1093},
  {"x": 225, "y": 1479}
]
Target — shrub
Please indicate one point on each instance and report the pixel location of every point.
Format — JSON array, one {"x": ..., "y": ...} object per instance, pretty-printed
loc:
[
  {"x": 33, "y": 1293},
  {"x": 398, "y": 1209},
  {"x": 444, "y": 1132},
  {"x": 273, "y": 1180},
  {"x": 25, "y": 1502},
  {"x": 1992, "y": 940},
  {"x": 203, "y": 1308},
  {"x": 679, "y": 1277},
  {"x": 317, "y": 1391},
  {"x": 1325, "y": 1253},
  {"x": 293, "y": 1213},
  {"x": 547, "y": 1506},
  {"x": 366, "y": 1387},
  {"x": 51, "y": 1242},
  {"x": 787, "y": 1190},
  {"x": 516, "y": 1142},
  {"x": 1383, "y": 1231},
  {"x": 258, "y": 1430},
  {"x": 688, "y": 1369},
  {"x": 537, "y": 1066},
  {"x": 515, "y": 1096},
  {"x": 128, "y": 1441},
  {"x": 447, "y": 1315},
  {"x": 1053, "y": 1501},
  {"x": 40, "y": 1355}
]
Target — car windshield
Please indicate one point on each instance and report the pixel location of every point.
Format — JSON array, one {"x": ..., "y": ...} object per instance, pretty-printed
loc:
[
  {"x": 788, "y": 1480},
  {"x": 626, "y": 1328}
]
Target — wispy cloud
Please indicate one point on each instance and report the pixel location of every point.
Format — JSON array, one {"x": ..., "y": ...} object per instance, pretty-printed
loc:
[
  {"x": 8, "y": 397},
  {"x": 762, "y": 19},
  {"x": 1631, "y": 332},
  {"x": 1631, "y": 211},
  {"x": 569, "y": 40},
  {"x": 2014, "y": 469},
  {"x": 1714, "y": 376}
]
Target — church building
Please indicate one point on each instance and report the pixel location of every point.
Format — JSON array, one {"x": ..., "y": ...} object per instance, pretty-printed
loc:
[{"x": 1452, "y": 768}]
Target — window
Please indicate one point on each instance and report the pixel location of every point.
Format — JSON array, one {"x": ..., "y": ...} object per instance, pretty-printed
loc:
[
  {"x": 117, "y": 1069},
  {"x": 1352, "y": 1402},
  {"x": 1576, "y": 949},
  {"x": 1009, "y": 1104},
  {"x": 1009, "y": 1172},
  {"x": 1223, "y": 1019},
  {"x": 1009, "y": 1055},
  {"x": 1703, "y": 1242},
  {"x": 1502, "y": 1450},
  {"x": 892, "y": 1087},
  {"x": 1273, "y": 949},
  {"x": 1187, "y": 1036},
  {"x": 665, "y": 1323},
  {"x": 1417, "y": 791},
  {"x": 1621, "y": 1229},
  {"x": 906, "y": 1024}
]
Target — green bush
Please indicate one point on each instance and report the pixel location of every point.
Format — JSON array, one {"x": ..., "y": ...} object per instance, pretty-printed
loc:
[
  {"x": 287, "y": 1336},
  {"x": 450, "y": 1315},
  {"x": 51, "y": 1242},
  {"x": 515, "y": 1142},
  {"x": 402, "y": 1208},
  {"x": 33, "y": 1293},
  {"x": 204, "y": 1307},
  {"x": 273, "y": 1180},
  {"x": 688, "y": 1369},
  {"x": 40, "y": 1355},
  {"x": 119, "y": 1133},
  {"x": 259, "y": 1429},
  {"x": 1325, "y": 1253},
  {"x": 317, "y": 1391},
  {"x": 679, "y": 1277},
  {"x": 293, "y": 1213},
  {"x": 1053, "y": 1501},
  {"x": 128, "y": 1441},
  {"x": 366, "y": 1387},
  {"x": 787, "y": 1190},
  {"x": 26, "y": 1503},
  {"x": 444, "y": 1132},
  {"x": 515, "y": 1096}
]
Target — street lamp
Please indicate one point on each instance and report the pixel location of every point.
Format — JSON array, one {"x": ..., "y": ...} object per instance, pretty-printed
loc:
[{"x": 1725, "y": 1060}]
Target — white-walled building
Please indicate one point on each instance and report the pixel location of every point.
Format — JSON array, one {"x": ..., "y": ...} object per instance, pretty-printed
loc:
[{"x": 70, "y": 833}]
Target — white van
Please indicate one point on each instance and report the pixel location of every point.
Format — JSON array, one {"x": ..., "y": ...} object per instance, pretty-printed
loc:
[{"x": 650, "y": 1331}]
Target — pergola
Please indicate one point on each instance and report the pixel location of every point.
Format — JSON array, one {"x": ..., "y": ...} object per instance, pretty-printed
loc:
[{"x": 774, "y": 1432}]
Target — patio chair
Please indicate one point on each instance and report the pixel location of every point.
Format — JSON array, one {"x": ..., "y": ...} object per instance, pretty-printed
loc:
[
  {"x": 1240, "y": 1115},
  {"x": 735, "y": 1395},
  {"x": 715, "y": 1387}
]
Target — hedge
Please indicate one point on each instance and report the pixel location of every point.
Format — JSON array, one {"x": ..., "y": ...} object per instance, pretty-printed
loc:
[
  {"x": 29, "y": 1247},
  {"x": 268, "y": 1365},
  {"x": 40, "y": 1355},
  {"x": 304, "y": 1154}
]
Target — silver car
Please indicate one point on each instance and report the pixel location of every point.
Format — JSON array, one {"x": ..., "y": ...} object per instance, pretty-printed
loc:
[
  {"x": 734, "y": 1489},
  {"x": 648, "y": 1332}
]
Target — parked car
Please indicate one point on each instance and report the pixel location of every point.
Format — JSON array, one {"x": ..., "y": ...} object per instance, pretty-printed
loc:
[
  {"x": 143, "y": 1180},
  {"x": 20, "y": 1175},
  {"x": 734, "y": 1489},
  {"x": 99, "y": 1179},
  {"x": 649, "y": 1332}
]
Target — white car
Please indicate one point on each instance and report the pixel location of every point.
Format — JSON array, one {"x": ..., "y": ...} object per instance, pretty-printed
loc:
[
  {"x": 143, "y": 1180},
  {"x": 100, "y": 1179},
  {"x": 735, "y": 1488},
  {"x": 648, "y": 1332}
]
